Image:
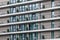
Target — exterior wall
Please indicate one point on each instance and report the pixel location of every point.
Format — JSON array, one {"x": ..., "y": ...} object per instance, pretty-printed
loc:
[
  {"x": 47, "y": 25},
  {"x": 4, "y": 20},
  {"x": 4, "y": 29},
  {"x": 4, "y": 37},
  {"x": 57, "y": 13},
  {"x": 47, "y": 4},
  {"x": 4, "y": 11},
  {"x": 47, "y": 35},
  {"x": 3, "y": 2},
  {"x": 47, "y": 14},
  {"x": 57, "y": 2}
]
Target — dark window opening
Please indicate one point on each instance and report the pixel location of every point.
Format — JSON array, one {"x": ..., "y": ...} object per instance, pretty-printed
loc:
[
  {"x": 43, "y": 27},
  {"x": 43, "y": 37},
  {"x": 7, "y": 38},
  {"x": 7, "y": 30},
  {"x": 43, "y": 17},
  {"x": 7, "y": 2}
]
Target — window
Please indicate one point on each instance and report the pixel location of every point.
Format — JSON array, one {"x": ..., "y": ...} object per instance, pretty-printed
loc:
[
  {"x": 43, "y": 16},
  {"x": 27, "y": 8},
  {"x": 34, "y": 16},
  {"x": 35, "y": 36},
  {"x": 7, "y": 21},
  {"x": 43, "y": 27},
  {"x": 28, "y": 0},
  {"x": 18, "y": 1},
  {"x": 17, "y": 10},
  {"x": 52, "y": 13},
  {"x": 7, "y": 38},
  {"x": 52, "y": 34},
  {"x": 7, "y": 30},
  {"x": 7, "y": 2},
  {"x": 17, "y": 19},
  {"x": 35, "y": 26},
  {"x": 52, "y": 3},
  {"x": 52, "y": 24},
  {"x": 19, "y": 29},
  {"x": 7, "y": 12},
  {"x": 27, "y": 38},
  {"x": 26, "y": 17},
  {"x": 43, "y": 6},
  {"x": 43, "y": 37},
  {"x": 17, "y": 38}
]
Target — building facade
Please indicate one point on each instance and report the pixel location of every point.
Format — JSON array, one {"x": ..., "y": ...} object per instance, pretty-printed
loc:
[{"x": 29, "y": 19}]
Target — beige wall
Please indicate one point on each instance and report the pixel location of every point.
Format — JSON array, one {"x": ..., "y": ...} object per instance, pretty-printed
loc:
[
  {"x": 4, "y": 37},
  {"x": 4, "y": 11},
  {"x": 57, "y": 2},
  {"x": 3, "y": 20},
  {"x": 3, "y": 29},
  {"x": 3, "y": 2},
  {"x": 47, "y": 4},
  {"x": 47, "y": 14}
]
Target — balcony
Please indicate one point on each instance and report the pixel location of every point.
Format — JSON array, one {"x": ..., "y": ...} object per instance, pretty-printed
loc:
[
  {"x": 27, "y": 12},
  {"x": 19, "y": 32},
  {"x": 31, "y": 21},
  {"x": 3, "y": 5}
]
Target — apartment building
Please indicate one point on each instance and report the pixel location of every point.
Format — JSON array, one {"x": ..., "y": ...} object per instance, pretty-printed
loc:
[{"x": 29, "y": 19}]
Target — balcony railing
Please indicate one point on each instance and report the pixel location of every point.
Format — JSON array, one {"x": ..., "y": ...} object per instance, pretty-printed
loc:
[
  {"x": 30, "y": 31},
  {"x": 27, "y": 12}
]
